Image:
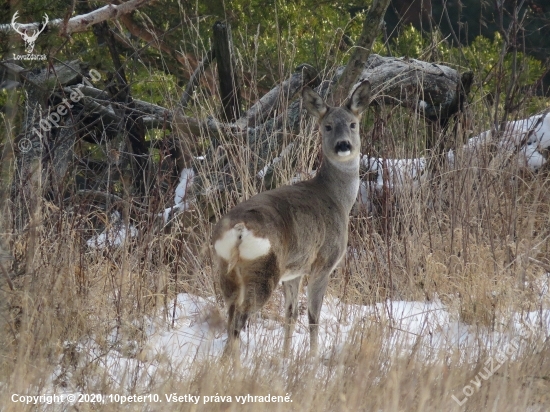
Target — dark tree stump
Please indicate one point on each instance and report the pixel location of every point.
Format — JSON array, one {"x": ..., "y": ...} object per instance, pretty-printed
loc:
[{"x": 230, "y": 89}]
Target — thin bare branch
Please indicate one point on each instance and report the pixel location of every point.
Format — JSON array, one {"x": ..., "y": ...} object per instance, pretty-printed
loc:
[{"x": 195, "y": 77}]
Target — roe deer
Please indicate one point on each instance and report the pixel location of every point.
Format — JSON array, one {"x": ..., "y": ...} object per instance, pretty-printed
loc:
[{"x": 283, "y": 234}]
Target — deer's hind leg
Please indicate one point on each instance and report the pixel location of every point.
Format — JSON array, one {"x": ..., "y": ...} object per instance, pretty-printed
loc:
[
  {"x": 235, "y": 323},
  {"x": 256, "y": 282}
]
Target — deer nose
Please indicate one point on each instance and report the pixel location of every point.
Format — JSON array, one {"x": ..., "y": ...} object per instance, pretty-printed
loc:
[{"x": 343, "y": 148}]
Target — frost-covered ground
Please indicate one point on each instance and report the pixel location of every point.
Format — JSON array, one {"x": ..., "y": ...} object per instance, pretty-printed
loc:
[
  {"x": 428, "y": 324},
  {"x": 195, "y": 331}
]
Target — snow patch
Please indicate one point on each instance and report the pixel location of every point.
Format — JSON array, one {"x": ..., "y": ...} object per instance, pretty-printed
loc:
[
  {"x": 269, "y": 166},
  {"x": 194, "y": 330},
  {"x": 394, "y": 173},
  {"x": 115, "y": 235},
  {"x": 186, "y": 180},
  {"x": 529, "y": 138}
]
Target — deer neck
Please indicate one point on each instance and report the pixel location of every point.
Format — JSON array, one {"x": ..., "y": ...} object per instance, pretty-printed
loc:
[{"x": 341, "y": 180}]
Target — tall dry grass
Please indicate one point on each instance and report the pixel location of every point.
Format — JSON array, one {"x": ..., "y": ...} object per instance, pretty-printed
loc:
[{"x": 475, "y": 238}]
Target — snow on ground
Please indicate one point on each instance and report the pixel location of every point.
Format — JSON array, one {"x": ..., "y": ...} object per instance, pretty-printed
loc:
[
  {"x": 395, "y": 173},
  {"x": 426, "y": 327},
  {"x": 431, "y": 322},
  {"x": 196, "y": 332},
  {"x": 517, "y": 132},
  {"x": 180, "y": 204},
  {"x": 528, "y": 137},
  {"x": 186, "y": 178},
  {"x": 115, "y": 235},
  {"x": 192, "y": 332}
]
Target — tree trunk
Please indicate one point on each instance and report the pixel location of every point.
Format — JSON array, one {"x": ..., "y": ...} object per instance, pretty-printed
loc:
[
  {"x": 354, "y": 69},
  {"x": 230, "y": 88},
  {"x": 132, "y": 121}
]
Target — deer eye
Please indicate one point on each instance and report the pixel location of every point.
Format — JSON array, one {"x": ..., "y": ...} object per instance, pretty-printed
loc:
[
  {"x": 328, "y": 128},
  {"x": 352, "y": 125}
]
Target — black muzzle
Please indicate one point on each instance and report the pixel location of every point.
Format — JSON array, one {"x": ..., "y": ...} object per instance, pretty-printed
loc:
[{"x": 343, "y": 146}]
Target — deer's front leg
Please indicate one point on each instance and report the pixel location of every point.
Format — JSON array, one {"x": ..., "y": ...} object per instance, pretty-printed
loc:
[{"x": 291, "y": 289}]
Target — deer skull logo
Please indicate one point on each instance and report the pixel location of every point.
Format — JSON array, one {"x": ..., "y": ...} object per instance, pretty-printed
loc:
[{"x": 28, "y": 35}]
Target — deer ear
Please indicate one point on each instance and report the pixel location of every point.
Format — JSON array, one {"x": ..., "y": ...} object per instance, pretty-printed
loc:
[
  {"x": 360, "y": 98},
  {"x": 313, "y": 103}
]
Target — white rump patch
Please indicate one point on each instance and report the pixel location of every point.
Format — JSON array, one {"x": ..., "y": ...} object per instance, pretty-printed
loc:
[
  {"x": 253, "y": 247},
  {"x": 225, "y": 245},
  {"x": 250, "y": 247},
  {"x": 346, "y": 153}
]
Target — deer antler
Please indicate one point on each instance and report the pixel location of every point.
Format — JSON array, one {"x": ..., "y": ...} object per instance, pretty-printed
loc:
[
  {"x": 34, "y": 36},
  {"x": 44, "y": 25},
  {"x": 16, "y": 25}
]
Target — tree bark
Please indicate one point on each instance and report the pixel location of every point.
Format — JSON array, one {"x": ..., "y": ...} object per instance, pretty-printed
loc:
[
  {"x": 230, "y": 88},
  {"x": 435, "y": 90},
  {"x": 278, "y": 96},
  {"x": 354, "y": 69},
  {"x": 132, "y": 122},
  {"x": 84, "y": 21}
]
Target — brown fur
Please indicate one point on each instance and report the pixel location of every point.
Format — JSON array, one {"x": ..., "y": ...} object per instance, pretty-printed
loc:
[{"x": 306, "y": 225}]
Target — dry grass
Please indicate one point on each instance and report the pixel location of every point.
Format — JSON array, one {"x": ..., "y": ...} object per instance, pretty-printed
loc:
[{"x": 477, "y": 239}]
